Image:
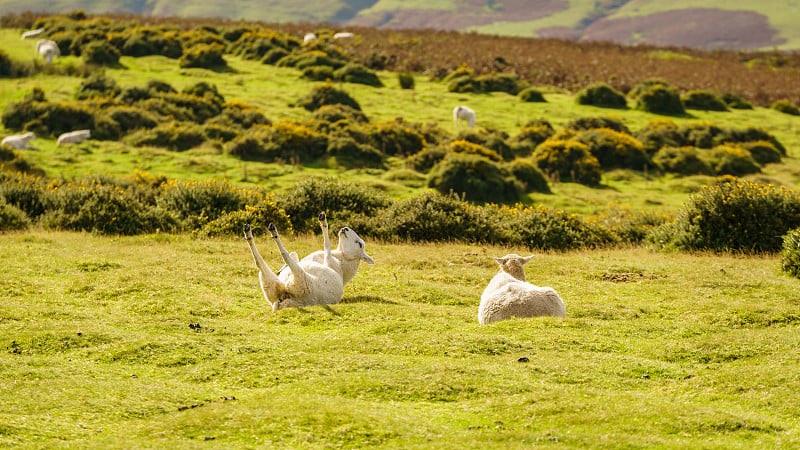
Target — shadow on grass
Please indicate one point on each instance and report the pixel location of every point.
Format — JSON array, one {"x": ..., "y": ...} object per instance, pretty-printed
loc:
[{"x": 367, "y": 299}]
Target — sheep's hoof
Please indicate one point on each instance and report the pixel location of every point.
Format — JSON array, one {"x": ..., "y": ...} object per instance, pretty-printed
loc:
[
  {"x": 273, "y": 230},
  {"x": 321, "y": 216},
  {"x": 246, "y": 228}
]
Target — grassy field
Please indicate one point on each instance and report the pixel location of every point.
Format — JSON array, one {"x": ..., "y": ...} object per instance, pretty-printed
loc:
[
  {"x": 274, "y": 89},
  {"x": 658, "y": 350}
]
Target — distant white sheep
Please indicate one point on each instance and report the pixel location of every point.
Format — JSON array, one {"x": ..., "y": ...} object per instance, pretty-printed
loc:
[
  {"x": 18, "y": 141},
  {"x": 30, "y": 34},
  {"x": 74, "y": 137},
  {"x": 47, "y": 49},
  {"x": 509, "y": 295},
  {"x": 317, "y": 279},
  {"x": 344, "y": 35},
  {"x": 463, "y": 113},
  {"x": 309, "y": 37}
]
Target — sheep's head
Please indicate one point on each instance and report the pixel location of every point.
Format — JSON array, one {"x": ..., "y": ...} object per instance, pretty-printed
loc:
[
  {"x": 513, "y": 264},
  {"x": 29, "y": 135},
  {"x": 352, "y": 246}
]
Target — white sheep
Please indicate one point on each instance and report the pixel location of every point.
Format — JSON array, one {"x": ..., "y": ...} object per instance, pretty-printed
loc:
[
  {"x": 18, "y": 141},
  {"x": 74, "y": 137},
  {"x": 509, "y": 295},
  {"x": 30, "y": 34},
  {"x": 47, "y": 49},
  {"x": 317, "y": 279},
  {"x": 463, "y": 113},
  {"x": 344, "y": 35},
  {"x": 309, "y": 37}
]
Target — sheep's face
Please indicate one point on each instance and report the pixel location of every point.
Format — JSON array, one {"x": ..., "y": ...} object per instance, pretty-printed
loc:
[
  {"x": 28, "y": 136},
  {"x": 352, "y": 246},
  {"x": 513, "y": 265}
]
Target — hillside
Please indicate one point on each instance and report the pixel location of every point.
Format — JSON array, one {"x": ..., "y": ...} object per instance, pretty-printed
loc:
[{"x": 706, "y": 24}]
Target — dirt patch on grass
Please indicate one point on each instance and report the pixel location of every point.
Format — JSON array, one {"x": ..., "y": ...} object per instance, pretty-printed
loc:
[
  {"x": 705, "y": 28},
  {"x": 467, "y": 13},
  {"x": 629, "y": 277}
]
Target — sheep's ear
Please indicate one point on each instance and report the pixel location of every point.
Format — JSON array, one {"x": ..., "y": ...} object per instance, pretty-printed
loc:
[
  {"x": 525, "y": 260},
  {"x": 500, "y": 261},
  {"x": 366, "y": 258}
]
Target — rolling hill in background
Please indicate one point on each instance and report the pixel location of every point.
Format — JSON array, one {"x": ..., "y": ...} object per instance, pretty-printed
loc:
[{"x": 703, "y": 24}]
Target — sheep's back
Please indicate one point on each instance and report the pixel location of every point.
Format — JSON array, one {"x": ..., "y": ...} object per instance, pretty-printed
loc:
[{"x": 519, "y": 299}]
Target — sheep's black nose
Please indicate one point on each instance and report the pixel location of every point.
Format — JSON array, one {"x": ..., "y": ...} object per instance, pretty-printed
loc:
[
  {"x": 321, "y": 216},
  {"x": 271, "y": 227},
  {"x": 246, "y": 228}
]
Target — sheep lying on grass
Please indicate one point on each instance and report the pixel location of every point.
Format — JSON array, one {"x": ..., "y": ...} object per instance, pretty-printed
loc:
[
  {"x": 509, "y": 295},
  {"x": 317, "y": 279},
  {"x": 18, "y": 141},
  {"x": 309, "y": 37},
  {"x": 465, "y": 114},
  {"x": 47, "y": 49},
  {"x": 74, "y": 137},
  {"x": 344, "y": 35}
]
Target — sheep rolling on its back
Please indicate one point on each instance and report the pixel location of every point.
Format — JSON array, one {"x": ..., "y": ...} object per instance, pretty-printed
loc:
[{"x": 508, "y": 295}]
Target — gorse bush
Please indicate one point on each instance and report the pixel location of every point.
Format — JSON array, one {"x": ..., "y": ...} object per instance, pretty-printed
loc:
[
  {"x": 475, "y": 177},
  {"x": 704, "y": 100},
  {"x": 590, "y": 123},
  {"x": 729, "y": 159},
  {"x": 614, "y": 149},
  {"x": 681, "y": 160},
  {"x": 526, "y": 171},
  {"x": 178, "y": 136},
  {"x": 790, "y": 253},
  {"x": 469, "y": 148},
  {"x": 196, "y": 203},
  {"x": 531, "y": 95},
  {"x": 357, "y": 73},
  {"x": 258, "y": 216},
  {"x": 326, "y": 94},
  {"x": 339, "y": 200},
  {"x": 763, "y": 152},
  {"x": 529, "y": 137},
  {"x": 569, "y": 160},
  {"x": 406, "y": 80},
  {"x": 735, "y": 102},
  {"x": 350, "y": 153},
  {"x": 393, "y": 137},
  {"x": 601, "y": 95},
  {"x": 733, "y": 215},
  {"x": 658, "y": 97},
  {"x": 12, "y": 218},
  {"x": 101, "y": 53},
  {"x": 97, "y": 85},
  {"x": 659, "y": 133},
  {"x": 785, "y": 107},
  {"x": 206, "y": 56},
  {"x": 93, "y": 206},
  {"x": 293, "y": 142},
  {"x": 543, "y": 228},
  {"x": 318, "y": 73}
]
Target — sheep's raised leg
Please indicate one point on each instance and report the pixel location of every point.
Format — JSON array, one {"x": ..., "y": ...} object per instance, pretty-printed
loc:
[
  {"x": 270, "y": 283},
  {"x": 300, "y": 286},
  {"x": 326, "y": 240}
]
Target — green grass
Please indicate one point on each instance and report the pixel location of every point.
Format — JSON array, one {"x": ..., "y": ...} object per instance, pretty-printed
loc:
[{"x": 697, "y": 351}]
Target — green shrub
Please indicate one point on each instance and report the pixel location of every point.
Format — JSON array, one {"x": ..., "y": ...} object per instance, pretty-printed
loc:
[
  {"x": 434, "y": 217},
  {"x": 702, "y": 134},
  {"x": 178, "y": 136},
  {"x": 590, "y": 123},
  {"x": 763, "y": 152},
  {"x": 13, "y": 160},
  {"x": 703, "y": 100},
  {"x": 46, "y": 118},
  {"x": 532, "y": 179},
  {"x": 100, "y": 208},
  {"x": 730, "y": 159},
  {"x": 339, "y": 112},
  {"x": 393, "y": 137},
  {"x": 97, "y": 85},
  {"x": 735, "y": 102},
  {"x": 326, "y": 94},
  {"x": 427, "y": 158},
  {"x": 659, "y": 133},
  {"x": 6, "y": 65},
  {"x": 658, "y": 98},
  {"x": 350, "y": 153},
  {"x": 318, "y": 73},
  {"x": 357, "y": 73},
  {"x": 247, "y": 147},
  {"x": 790, "y": 254},
  {"x": 733, "y": 215},
  {"x": 601, "y": 95},
  {"x": 751, "y": 134},
  {"x": 681, "y": 160},
  {"x": 614, "y": 149},
  {"x": 101, "y": 53},
  {"x": 466, "y": 82},
  {"x": 144, "y": 41},
  {"x": 257, "y": 44},
  {"x": 568, "y": 160},
  {"x": 631, "y": 227},
  {"x": 131, "y": 118},
  {"x": 785, "y": 107},
  {"x": 23, "y": 191},
  {"x": 337, "y": 199},
  {"x": 196, "y": 203},
  {"x": 405, "y": 80},
  {"x": 293, "y": 142},
  {"x": 258, "y": 216},
  {"x": 12, "y": 218},
  {"x": 220, "y": 131},
  {"x": 205, "y": 56},
  {"x": 525, "y": 142},
  {"x": 475, "y": 177},
  {"x": 469, "y": 148},
  {"x": 305, "y": 59},
  {"x": 531, "y": 95},
  {"x": 240, "y": 114},
  {"x": 538, "y": 227}
]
